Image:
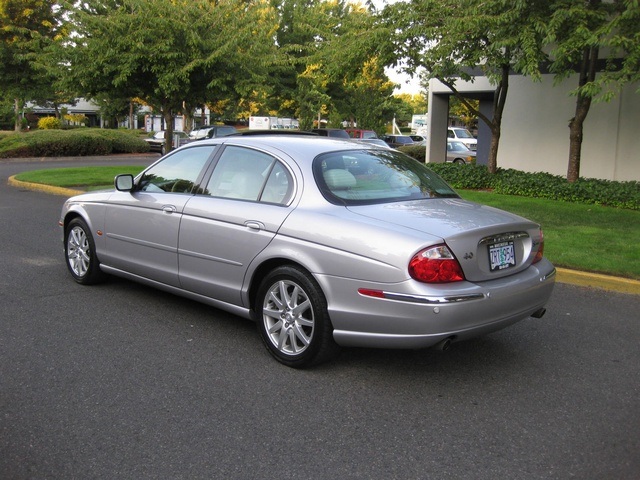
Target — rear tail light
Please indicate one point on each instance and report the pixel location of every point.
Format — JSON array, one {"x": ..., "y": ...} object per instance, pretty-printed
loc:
[
  {"x": 435, "y": 265},
  {"x": 540, "y": 252}
]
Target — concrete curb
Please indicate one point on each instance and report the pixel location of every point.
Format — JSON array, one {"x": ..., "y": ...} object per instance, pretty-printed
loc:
[
  {"x": 573, "y": 277},
  {"x": 39, "y": 187},
  {"x": 596, "y": 280}
]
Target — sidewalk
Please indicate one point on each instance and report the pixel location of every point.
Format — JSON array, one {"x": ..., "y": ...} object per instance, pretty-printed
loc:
[{"x": 573, "y": 277}]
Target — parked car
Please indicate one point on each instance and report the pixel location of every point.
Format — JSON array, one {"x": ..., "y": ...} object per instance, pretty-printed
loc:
[
  {"x": 464, "y": 136},
  {"x": 212, "y": 131},
  {"x": 395, "y": 141},
  {"x": 157, "y": 143},
  {"x": 323, "y": 243},
  {"x": 359, "y": 133},
  {"x": 371, "y": 141},
  {"x": 419, "y": 139},
  {"x": 331, "y": 132},
  {"x": 457, "y": 152}
]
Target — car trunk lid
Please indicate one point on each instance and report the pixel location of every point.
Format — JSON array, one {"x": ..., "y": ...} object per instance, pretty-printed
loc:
[{"x": 489, "y": 243}]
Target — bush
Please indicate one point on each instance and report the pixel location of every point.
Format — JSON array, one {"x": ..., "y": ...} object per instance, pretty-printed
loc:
[
  {"x": 76, "y": 142},
  {"x": 541, "y": 185},
  {"x": 125, "y": 141},
  {"x": 49, "y": 123}
]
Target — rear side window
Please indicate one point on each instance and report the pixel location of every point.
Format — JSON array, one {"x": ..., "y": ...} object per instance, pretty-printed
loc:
[{"x": 246, "y": 174}]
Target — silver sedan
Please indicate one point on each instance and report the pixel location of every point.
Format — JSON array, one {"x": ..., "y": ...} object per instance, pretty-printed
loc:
[{"x": 323, "y": 243}]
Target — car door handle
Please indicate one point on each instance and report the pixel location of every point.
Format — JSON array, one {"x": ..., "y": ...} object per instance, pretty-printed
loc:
[
  {"x": 169, "y": 209},
  {"x": 254, "y": 225}
]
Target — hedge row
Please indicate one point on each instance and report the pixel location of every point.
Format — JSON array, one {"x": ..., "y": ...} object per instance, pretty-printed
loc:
[
  {"x": 71, "y": 143},
  {"x": 541, "y": 185}
]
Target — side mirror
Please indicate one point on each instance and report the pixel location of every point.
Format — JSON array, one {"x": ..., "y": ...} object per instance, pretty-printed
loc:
[{"x": 124, "y": 183}]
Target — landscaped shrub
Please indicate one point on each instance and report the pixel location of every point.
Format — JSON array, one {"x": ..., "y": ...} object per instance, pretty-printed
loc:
[
  {"x": 124, "y": 141},
  {"x": 418, "y": 152},
  {"x": 76, "y": 142},
  {"x": 540, "y": 184},
  {"x": 49, "y": 123}
]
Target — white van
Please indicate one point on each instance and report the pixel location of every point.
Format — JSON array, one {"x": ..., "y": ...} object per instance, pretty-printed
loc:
[{"x": 463, "y": 135}]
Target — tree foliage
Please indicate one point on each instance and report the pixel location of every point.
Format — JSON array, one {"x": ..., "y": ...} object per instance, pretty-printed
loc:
[
  {"x": 172, "y": 54},
  {"x": 451, "y": 39},
  {"x": 600, "y": 42},
  {"x": 27, "y": 29}
]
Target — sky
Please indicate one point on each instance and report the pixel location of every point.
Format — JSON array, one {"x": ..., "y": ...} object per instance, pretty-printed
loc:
[{"x": 406, "y": 83}]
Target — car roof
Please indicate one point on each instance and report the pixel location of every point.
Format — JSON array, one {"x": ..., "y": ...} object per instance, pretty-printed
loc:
[{"x": 298, "y": 146}]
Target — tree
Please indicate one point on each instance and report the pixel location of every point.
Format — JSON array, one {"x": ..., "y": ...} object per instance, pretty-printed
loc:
[
  {"x": 451, "y": 39},
  {"x": 460, "y": 110},
  {"x": 370, "y": 97},
  {"x": 27, "y": 28},
  {"x": 579, "y": 30},
  {"x": 172, "y": 54},
  {"x": 359, "y": 88}
]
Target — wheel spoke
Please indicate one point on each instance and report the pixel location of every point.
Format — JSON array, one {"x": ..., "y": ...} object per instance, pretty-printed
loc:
[
  {"x": 276, "y": 299},
  {"x": 276, "y": 327},
  {"x": 301, "y": 335},
  {"x": 282, "y": 339},
  {"x": 299, "y": 309}
]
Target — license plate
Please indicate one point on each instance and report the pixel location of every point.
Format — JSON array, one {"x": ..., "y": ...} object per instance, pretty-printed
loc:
[{"x": 501, "y": 255}]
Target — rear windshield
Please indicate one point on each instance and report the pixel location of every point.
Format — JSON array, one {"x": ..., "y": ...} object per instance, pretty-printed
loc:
[{"x": 359, "y": 177}]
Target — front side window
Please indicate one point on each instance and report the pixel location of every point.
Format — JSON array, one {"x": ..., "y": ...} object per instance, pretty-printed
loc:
[
  {"x": 376, "y": 176},
  {"x": 246, "y": 174},
  {"x": 176, "y": 173}
]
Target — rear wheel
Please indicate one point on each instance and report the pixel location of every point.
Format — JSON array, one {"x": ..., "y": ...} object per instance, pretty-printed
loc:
[
  {"x": 293, "y": 320},
  {"x": 80, "y": 253}
]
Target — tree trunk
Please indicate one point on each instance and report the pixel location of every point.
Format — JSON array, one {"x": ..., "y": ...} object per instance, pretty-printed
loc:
[
  {"x": 167, "y": 114},
  {"x": 575, "y": 137},
  {"x": 583, "y": 104},
  {"x": 499, "y": 100},
  {"x": 16, "y": 109}
]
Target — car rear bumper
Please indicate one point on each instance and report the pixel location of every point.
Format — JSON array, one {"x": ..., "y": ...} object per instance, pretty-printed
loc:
[{"x": 406, "y": 319}]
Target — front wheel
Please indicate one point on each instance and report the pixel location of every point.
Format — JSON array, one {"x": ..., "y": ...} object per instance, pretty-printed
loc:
[
  {"x": 80, "y": 253},
  {"x": 293, "y": 320}
]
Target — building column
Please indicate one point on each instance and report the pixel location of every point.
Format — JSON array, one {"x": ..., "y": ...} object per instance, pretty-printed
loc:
[{"x": 437, "y": 123}]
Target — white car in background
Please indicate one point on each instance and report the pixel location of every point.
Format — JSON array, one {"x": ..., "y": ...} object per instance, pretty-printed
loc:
[{"x": 463, "y": 135}]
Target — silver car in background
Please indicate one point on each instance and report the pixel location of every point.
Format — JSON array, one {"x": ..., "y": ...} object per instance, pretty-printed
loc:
[{"x": 324, "y": 243}]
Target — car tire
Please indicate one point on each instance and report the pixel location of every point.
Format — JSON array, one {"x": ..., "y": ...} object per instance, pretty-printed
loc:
[
  {"x": 80, "y": 253},
  {"x": 459, "y": 161},
  {"x": 293, "y": 320}
]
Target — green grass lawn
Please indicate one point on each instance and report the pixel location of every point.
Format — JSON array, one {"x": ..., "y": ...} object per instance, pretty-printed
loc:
[
  {"x": 84, "y": 178},
  {"x": 577, "y": 236}
]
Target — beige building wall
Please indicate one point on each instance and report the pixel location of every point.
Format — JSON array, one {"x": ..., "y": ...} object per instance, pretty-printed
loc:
[{"x": 535, "y": 131}]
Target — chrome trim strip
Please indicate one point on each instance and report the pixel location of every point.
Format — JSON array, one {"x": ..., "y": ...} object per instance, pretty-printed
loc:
[
  {"x": 403, "y": 297},
  {"x": 503, "y": 237},
  {"x": 548, "y": 275}
]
